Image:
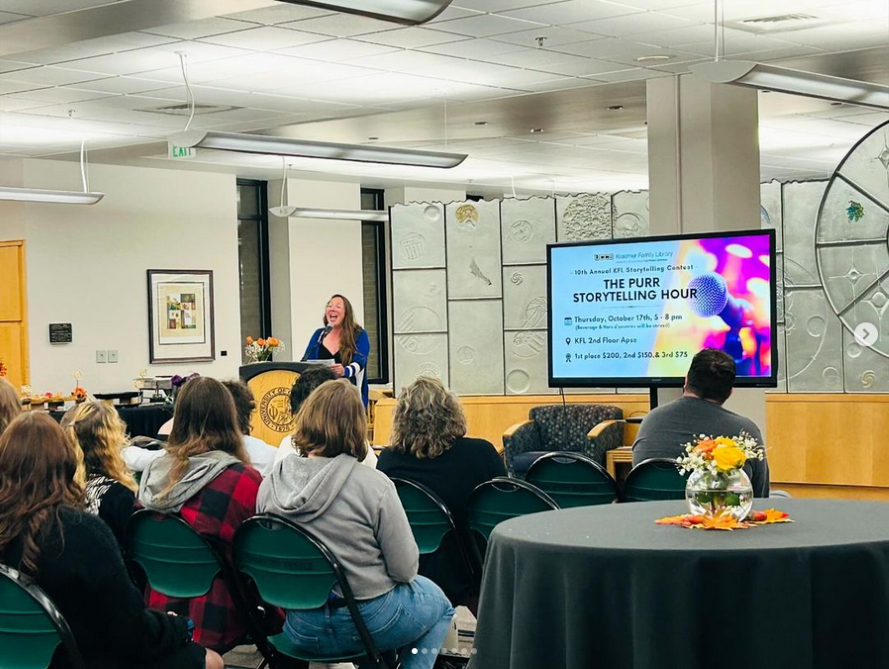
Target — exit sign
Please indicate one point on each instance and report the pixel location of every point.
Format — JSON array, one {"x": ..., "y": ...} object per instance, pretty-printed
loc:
[{"x": 182, "y": 151}]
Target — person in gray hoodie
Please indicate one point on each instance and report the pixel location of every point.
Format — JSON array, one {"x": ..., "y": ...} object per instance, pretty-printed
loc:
[{"x": 354, "y": 511}]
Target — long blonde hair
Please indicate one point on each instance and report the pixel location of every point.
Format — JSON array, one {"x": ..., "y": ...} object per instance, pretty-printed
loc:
[
  {"x": 98, "y": 435},
  {"x": 204, "y": 420},
  {"x": 10, "y": 407},
  {"x": 428, "y": 419},
  {"x": 349, "y": 336}
]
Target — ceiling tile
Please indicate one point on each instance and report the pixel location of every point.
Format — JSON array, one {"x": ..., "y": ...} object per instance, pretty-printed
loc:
[
  {"x": 281, "y": 13},
  {"x": 337, "y": 50},
  {"x": 841, "y": 37},
  {"x": 12, "y": 65},
  {"x": 559, "y": 63},
  {"x": 500, "y": 5},
  {"x": 633, "y": 24},
  {"x": 410, "y": 38},
  {"x": 8, "y": 17},
  {"x": 677, "y": 36},
  {"x": 341, "y": 25},
  {"x": 477, "y": 49},
  {"x": 153, "y": 58},
  {"x": 552, "y": 36},
  {"x": 571, "y": 11},
  {"x": 11, "y": 104},
  {"x": 485, "y": 25},
  {"x": 557, "y": 84},
  {"x": 266, "y": 38},
  {"x": 60, "y": 95},
  {"x": 94, "y": 47},
  {"x": 629, "y": 75},
  {"x": 48, "y": 7},
  {"x": 453, "y": 12},
  {"x": 50, "y": 76},
  {"x": 120, "y": 85},
  {"x": 205, "y": 28}
]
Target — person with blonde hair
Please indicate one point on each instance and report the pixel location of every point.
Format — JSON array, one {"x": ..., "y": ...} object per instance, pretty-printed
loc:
[
  {"x": 355, "y": 511},
  {"x": 10, "y": 406},
  {"x": 428, "y": 444},
  {"x": 204, "y": 476},
  {"x": 73, "y": 557},
  {"x": 99, "y": 435}
]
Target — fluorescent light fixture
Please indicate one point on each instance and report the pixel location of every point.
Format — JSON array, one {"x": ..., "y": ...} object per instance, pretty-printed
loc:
[
  {"x": 49, "y": 196},
  {"x": 285, "y": 146},
  {"x": 342, "y": 214},
  {"x": 409, "y": 12},
  {"x": 785, "y": 80}
]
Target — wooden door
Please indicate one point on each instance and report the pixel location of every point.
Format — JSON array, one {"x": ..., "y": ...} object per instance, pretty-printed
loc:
[{"x": 13, "y": 312}]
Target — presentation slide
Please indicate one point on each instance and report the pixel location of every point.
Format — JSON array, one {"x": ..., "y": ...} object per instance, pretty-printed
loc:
[{"x": 638, "y": 311}]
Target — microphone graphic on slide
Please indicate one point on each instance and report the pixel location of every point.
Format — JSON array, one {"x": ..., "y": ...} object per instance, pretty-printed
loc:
[{"x": 711, "y": 298}]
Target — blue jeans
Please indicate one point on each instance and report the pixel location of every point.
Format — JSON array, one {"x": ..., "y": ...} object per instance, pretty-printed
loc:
[{"x": 413, "y": 618}]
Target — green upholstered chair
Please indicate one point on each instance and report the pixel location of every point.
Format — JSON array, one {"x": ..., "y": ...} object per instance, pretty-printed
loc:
[
  {"x": 572, "y": 479},
  {"x": 652, "y": 480},
  {"x": 31, "y": 627}
]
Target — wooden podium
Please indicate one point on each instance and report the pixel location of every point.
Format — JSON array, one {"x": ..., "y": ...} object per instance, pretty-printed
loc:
[{"x": 271, "y": 383}]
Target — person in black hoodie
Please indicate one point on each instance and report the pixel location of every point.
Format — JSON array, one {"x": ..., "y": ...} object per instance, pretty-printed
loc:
[{"x": 74, "y": 558}]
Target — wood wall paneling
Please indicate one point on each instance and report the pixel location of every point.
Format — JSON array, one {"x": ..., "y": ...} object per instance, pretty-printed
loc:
[{"x": 13, "y": 312}]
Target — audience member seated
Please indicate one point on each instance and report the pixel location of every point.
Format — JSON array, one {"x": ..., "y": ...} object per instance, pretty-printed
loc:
[
  {"x": 305, "y": 385},
  {"x": 10, "y": 406},
  {"x": 665, "y": 431},
  {"x": 203, "y": 476},
  {"x": 429, "y": 445},
  {"x": 355, "y": 511},
  {"x": 98, "y": 434},
  {"x": 74, "y": 558},
  {"x": 260, "y": 454}
]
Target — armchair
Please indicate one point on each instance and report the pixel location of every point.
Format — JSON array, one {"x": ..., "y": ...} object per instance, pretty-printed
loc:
[{"x": 591, "y": 429}]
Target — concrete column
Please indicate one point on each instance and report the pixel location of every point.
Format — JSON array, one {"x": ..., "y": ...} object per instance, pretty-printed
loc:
[{"x": 703, "y": 170}]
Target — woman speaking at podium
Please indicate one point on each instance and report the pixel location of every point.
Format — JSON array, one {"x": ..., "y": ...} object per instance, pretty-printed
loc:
[{"x": 343, "y": 341}]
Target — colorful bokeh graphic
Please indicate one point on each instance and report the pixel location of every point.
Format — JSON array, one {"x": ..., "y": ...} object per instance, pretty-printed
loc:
[{"x": 728, "y": 305}]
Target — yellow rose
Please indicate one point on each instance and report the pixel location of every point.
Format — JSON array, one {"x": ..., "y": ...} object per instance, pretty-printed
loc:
[
  {"x": 728, "y": 458},
  {"x": 725, "y": 441}
]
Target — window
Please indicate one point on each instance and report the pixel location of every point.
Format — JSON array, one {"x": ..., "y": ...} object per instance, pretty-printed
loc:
[
  {"x": 253, "y": 261},
  {"x": 373, "y": 251}
]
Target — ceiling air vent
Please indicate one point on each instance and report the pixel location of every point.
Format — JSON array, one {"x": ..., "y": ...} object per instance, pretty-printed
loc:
[
  {"x": 777, "y": 23},
  {"x": 184, "y": 109}
]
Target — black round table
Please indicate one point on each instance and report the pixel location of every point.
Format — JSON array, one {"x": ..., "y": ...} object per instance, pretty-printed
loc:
[{"x": 606, "y": 587}]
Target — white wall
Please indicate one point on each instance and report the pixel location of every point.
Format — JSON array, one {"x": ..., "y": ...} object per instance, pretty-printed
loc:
[
  {"x": 87, "y": 266},
  {"x": 323, "y": 258}
]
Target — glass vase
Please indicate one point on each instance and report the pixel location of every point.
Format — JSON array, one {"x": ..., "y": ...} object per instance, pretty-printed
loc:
[{"x": 711, "y": 494}]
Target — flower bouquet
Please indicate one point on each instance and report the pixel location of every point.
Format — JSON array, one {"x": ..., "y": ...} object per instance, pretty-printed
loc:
[
  {"x": 261, "y": 350},
  {"x": 717, "y": 484}
]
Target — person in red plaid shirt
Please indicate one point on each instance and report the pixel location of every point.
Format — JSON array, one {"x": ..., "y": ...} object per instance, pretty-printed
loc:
[{"x": 205, "y": 478}]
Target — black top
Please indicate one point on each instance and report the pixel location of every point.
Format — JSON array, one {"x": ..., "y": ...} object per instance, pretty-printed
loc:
[
  {"x": 325, "y": 354},
  {"x": 81, "y": 570},
  {"x": 453, "y": 476},
  {"x": 618, "y": 591},
  {"x": 112, "y": 501}
]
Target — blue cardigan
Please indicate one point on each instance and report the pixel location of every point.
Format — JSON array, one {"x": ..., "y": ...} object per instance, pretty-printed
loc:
[{"x": 357, "y": 369}]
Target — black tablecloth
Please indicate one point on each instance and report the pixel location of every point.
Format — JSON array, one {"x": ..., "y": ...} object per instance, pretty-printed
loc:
[
  {"x": 606, "y": 587},
  {"x": 142, "y": 421}
]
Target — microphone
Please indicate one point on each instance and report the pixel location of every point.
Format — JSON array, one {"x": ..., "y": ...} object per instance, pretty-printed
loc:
[
  {"x": 326, "y": 331},
  {"x": 711, "y": 298}
]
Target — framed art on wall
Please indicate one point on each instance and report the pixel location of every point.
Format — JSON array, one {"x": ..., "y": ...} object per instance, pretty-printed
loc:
[{"x": 180, "y": 316}]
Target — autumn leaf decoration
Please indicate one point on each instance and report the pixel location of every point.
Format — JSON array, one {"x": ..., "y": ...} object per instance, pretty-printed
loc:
[{"x": 725, "y": 522}]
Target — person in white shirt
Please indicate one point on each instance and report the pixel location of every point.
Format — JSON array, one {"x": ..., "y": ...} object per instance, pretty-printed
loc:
[
  {"x": 261, "y": 454},
  {"x": 305, "y": 385}
]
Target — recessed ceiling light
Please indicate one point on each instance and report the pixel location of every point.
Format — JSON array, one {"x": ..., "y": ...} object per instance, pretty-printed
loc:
[
  {"x": 372, "y": 139},
  {"x": 481, "y": 123},
  {"x": 615, "y": 107},
  {"x": 836, "y": 104},
  {"x": 536, "y": 130},
  {"x": 654, "y": 57}
]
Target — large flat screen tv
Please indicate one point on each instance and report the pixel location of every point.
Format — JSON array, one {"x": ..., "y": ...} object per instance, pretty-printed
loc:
[{"x": 633, "y": 312}]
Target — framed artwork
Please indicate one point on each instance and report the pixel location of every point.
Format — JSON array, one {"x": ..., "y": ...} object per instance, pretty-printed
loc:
[{"x": 180, "y": 316}]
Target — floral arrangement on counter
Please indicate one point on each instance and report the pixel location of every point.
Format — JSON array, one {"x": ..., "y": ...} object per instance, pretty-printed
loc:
[
  {"x": 261, "y": 350},
  {"x": 178, "y": 381},
  {"x": 718, "y": 456}
]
